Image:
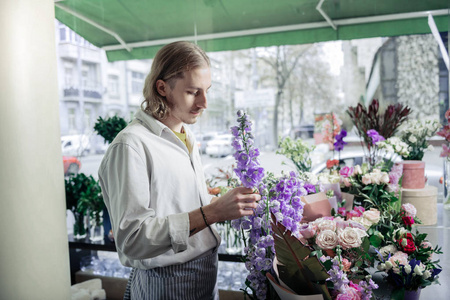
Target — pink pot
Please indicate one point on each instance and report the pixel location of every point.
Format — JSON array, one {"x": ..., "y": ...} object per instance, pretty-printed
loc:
[{"x": 413, "y": 174}]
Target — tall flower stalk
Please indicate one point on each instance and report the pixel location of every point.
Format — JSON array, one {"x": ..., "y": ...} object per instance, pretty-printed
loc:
[{"x": 259, "y": 251}]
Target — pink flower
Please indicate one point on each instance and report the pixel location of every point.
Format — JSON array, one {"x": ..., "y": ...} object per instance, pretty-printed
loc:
[
  {"x": 409, "y": 209},
  {"x": 359, "y": 210},
  {"x": 400, "y": 257},
  {"x": 445, "y": 132},
  {"x": 346, "y": 171},
  {"x": 307, "y": 231},
  {"x": 342, "y": 211},
  {"x": 350, "y": 293},
  {"x": 347, "y": 264},
  {"x": 445, "y": 151}
]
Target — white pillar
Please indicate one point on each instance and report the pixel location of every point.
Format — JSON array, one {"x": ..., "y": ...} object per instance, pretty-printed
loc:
[{"x": 34, "y": 258}]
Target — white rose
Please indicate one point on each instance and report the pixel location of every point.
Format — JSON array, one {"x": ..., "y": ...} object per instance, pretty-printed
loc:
[
  {"x": 357, "y": 170},
  {"x": 327, "y": 225},
  {"x": 430, "y": 148},
  {"x": 388, "y": 265},
  {"x": 372, "y": 215},
  {"x": 375, "y": 177},
  {"x": 366, "y": 179},
  {"x": 350, "y": 238},
  {"x": 327, "y": 239},
  {"x": 385, "y": 177}
]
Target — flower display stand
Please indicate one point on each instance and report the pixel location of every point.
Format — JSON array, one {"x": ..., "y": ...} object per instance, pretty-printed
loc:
[{"x": 425, "y": 201}]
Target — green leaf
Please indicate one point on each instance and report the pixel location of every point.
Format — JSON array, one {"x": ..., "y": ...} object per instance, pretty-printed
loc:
[{"x": 304, "y": 272}]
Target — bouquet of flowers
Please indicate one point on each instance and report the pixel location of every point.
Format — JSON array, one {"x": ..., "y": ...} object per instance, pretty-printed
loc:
[
  {"x": 385, "y": 125},
  {"x": 415, "y": 134},
  {"x": 445, "y": 133},
  {"x": 406, "y": 258}
]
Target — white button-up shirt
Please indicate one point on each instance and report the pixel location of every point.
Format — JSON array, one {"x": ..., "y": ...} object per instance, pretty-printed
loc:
[{"x": 150, "y": 181}]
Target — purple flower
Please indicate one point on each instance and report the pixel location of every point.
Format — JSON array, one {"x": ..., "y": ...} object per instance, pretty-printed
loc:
[
  {"x": 339, "y": 144},
  {"x": 375, "y": 136}
]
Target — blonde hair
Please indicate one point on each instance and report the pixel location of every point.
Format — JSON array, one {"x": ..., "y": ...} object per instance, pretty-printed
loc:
[{"x": 169, "y": 64}]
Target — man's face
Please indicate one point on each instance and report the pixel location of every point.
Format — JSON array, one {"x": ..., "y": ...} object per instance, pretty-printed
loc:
[{"x": 187, "y": 99}]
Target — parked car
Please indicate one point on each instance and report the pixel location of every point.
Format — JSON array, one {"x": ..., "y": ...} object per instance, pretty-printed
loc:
[
  {"x": 220, "y": 145},
  {"x": 202, "y": 141},
  {"x": 75, "y": 145},
  {"x": 71, "y": 165}
]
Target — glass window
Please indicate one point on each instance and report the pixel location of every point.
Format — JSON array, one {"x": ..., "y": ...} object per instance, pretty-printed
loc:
[
  {"x": 113, "y": 86},
  {"x": 137, "y": 82}
]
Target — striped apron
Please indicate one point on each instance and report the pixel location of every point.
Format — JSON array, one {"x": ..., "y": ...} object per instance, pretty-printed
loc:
[{"x": 195, "y": 280}]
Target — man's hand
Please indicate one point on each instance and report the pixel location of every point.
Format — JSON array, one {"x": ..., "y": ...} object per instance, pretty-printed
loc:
[{"x": 236, "y": 203}]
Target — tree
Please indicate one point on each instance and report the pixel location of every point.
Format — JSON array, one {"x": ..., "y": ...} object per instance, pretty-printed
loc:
[{"x": 283, "y": 63}]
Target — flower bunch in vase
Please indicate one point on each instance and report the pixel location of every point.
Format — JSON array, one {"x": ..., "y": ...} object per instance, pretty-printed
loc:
[
  {"x": 445, "y": 153},
  {"x": 384, "y": 124},
  {"x": 415, "y": 134},
  {"x": 406, "y": 258}
]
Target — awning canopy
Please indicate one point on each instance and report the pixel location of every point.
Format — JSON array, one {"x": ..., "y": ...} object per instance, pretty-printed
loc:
[{"x": 136, "y": 29}]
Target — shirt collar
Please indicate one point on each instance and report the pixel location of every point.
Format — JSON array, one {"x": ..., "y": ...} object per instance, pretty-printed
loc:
[{"x": 158, "y": 127}]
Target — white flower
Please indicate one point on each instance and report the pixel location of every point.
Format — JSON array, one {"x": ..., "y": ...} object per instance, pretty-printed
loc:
[
  {"x": 327, "y": 239},
  {"x": 412, "y": 139},
  {"x": 430, "y": 148},
  {"x": 407, "y": 269},
  {"x": 388, "y": 265},
  {"x": 389, "y": 249},
  {"x": 366, "y": 179},
  {"x": 357, "y": 170},
  {"x": 351, "y": 237},
  {"x": 426, "y": 274},
  {"x": 384, "y": 177},
  {"x": 381, "y": 267},
  {"x": 418, "y": 270}
]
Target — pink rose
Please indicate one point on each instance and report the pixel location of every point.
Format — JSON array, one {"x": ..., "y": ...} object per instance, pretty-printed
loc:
[
  {"x": 346, "y": 171},
  {"x": 400, "y": 257},
  {"x": 351, "y": 237},
  {"x": 347, "y": 182},
  {"x": 366, "y": 179},
  {"x": 346, "y": 264},
  {"x": 307, "y": 231},
  {"x": 327, "y": 239},
  {"x": 409, "y": 209},
  {"x": 350, "y": 293}
]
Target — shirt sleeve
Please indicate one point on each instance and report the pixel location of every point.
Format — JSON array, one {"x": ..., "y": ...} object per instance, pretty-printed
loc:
[{"x": 138, "y": 233}]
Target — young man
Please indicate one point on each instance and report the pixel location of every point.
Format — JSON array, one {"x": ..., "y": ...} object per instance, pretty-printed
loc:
[{"x": 154, "y": 188}]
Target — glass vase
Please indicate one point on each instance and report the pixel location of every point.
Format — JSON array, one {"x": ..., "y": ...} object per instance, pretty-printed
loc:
[
  {"x": 446, "y": 184},
  {"x": 79, "y": 227},
  {"x": 96, "y": 229}
]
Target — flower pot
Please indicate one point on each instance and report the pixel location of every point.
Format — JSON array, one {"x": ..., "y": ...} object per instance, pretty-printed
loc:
[
  {"x": 412, "y": 295},
  {"x": 413, "y": 174}
]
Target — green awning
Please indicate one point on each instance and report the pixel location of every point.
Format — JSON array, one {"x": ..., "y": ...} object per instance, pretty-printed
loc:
[{"x": 136, "y": 29}]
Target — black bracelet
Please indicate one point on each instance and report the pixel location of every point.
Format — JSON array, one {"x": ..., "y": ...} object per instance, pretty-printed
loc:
[{"x": 204, "y": 217}]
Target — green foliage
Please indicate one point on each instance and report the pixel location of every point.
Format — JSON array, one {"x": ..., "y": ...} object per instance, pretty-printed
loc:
[
  {"x": 299, "y": 268},
  {"x": 110, "y": 127},
  {"x": 84, "y": 196},
  {"x": 298, "y": 152}
]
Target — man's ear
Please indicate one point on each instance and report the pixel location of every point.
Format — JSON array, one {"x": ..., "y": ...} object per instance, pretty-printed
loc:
[{"x": 161, "y": 87}]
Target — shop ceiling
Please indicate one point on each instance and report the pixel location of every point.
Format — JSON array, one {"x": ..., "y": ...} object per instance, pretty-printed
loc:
[{"x": 136, "y": 29}]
